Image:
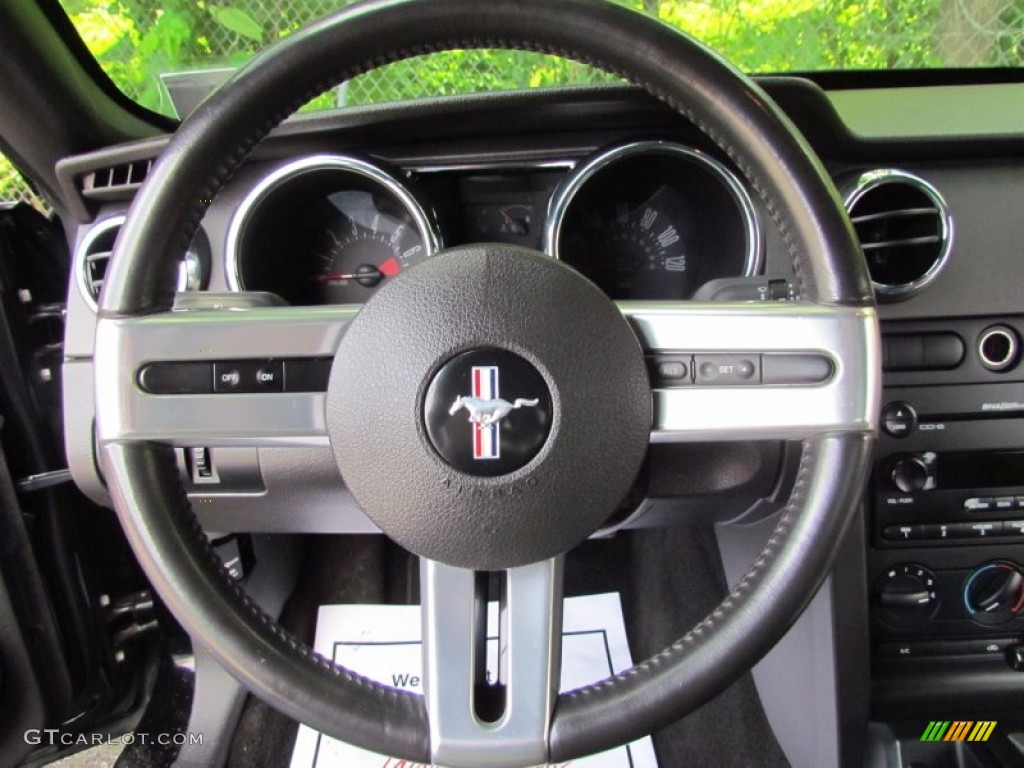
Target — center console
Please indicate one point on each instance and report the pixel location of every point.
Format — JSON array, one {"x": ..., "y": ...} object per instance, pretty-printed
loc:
[{"x": 946, "y": 555}]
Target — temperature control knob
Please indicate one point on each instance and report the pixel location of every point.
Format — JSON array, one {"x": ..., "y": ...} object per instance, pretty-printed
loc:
[
  {"x": 905, "y": 596},
  {"x": 994, "y": 592},
  {"x": 910, "y": 474}
]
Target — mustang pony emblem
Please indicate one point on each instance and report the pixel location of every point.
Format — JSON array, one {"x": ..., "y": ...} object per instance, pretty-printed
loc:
[
  {"x": 486, "y": 410},
  {"x": 484, "y": 413}
]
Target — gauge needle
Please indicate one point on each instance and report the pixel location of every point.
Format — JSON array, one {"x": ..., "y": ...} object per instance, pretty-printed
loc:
[
  {"x": 328, "y": 277},
  {"x": 389, "y": 268}
]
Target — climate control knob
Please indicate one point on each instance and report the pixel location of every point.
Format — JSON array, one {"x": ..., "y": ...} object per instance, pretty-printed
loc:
[
  {"x": 910, "y": 474},
  {"x": 905, "y": 596},
  {"x": 994, "y": 592}
]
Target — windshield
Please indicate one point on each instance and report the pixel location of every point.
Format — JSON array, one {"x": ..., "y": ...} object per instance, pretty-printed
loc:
[{"x": 168, "y": 54}]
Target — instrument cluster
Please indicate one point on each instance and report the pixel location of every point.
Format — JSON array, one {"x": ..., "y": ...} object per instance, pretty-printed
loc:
[{"x": 645, "y": 220}]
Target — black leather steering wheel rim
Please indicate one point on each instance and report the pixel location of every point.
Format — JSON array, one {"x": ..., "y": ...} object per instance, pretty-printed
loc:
[{"x": 213, "y": 143}]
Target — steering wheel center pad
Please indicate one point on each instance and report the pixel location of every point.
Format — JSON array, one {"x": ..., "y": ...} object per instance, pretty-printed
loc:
[{"x": 489, "y": 297}]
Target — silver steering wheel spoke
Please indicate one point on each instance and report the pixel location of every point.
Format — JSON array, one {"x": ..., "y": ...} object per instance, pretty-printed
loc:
[
  {"x": 758, "y": 370},
  {"x": 213, "y": 343},
  {"x": 528, "y": 664}
]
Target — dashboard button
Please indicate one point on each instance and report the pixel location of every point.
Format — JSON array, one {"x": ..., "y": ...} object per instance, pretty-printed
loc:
[
  {"x": 985, "y": 530},
  {"x": 943, "y": 350},
  {"x": 905, "y": 532},
  {"x": 177, "y": 378},
  {"x": 1013, "y": 528},
  {"x": 248, "y": 376},
  {"x": 1004, "y": 503},
  {"x": 670, "y": 371},
  {"x": 227, "y": 377},
  {"x": 795, "y": 369},
  {"x": 307, "y": 374},
  {"x": 269, "y": 376},
  {"x": 727, "y": 369},
  {"x": 938, "y": 648},
  {"x": 673, "y": 370},
  {"x": 911, "y": 474},
  {"x": 983, "y": 504},
  {"x": 899, "y": 419},
  {"x": 940, "y": 531},
  {"x": 904, "y": 352}
]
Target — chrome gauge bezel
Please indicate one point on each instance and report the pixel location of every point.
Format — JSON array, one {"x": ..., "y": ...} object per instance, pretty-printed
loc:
[
  {"x": 286, "y": 173},
  {"x": 588, "y": 169}
]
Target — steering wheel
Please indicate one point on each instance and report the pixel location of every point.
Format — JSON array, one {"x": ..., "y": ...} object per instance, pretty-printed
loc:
[{"x": 574, "y": 359}]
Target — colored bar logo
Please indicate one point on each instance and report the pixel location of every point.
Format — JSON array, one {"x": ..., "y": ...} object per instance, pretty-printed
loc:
[
  {"x": 959, "y": 730},
  {"x": 486, "y": 439}
]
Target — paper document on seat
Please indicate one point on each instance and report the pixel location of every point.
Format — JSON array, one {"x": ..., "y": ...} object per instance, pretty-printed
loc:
[{"x": 382, "y": 642}]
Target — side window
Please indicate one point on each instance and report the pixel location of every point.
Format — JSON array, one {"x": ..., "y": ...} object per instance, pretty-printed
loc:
[{"x": 14, "y": 188}]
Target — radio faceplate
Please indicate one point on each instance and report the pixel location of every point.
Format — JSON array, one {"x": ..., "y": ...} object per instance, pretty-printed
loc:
[
  {"x": 946, "y": 560},
  {"x": 928, "y": 498}
]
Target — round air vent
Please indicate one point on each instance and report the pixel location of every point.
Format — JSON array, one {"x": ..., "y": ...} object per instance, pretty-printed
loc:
[
  {"x": 904, "y": 227},
  {"x": 93, "y": 256}
]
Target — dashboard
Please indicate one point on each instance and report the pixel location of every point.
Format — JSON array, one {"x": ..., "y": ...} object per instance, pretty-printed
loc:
[{"x": 331, "y": 207}]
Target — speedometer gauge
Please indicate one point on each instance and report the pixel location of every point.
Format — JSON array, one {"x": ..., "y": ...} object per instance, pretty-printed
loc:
[
  {"x": 654, "y": 220},
  {"x": 637, "y": 247},
  {"x": 327, "y": 230}
]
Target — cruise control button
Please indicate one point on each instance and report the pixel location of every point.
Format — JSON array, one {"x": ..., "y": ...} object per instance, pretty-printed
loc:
[
  {"x": 671, "y": 371},
  {"x": 227, "y": 377},
  {"x": 270, "y": 376},
  {"x": 727, "y": 369}
]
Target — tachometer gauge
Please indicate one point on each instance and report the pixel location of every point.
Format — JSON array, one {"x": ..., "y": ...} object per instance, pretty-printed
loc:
[
  {"x": 653, "y": 220},
  {"x": 367, "y": 241},
  {"x": 327, "y": 230}
]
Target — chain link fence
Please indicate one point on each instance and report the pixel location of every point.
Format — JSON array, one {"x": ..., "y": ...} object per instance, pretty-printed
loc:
[
  {"x": 14, "y": 188},
  {"x": 137, "y": 41}
]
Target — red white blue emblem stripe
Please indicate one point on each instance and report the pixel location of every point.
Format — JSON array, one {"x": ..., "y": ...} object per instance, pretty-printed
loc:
[{"x": 486, "y": 439}]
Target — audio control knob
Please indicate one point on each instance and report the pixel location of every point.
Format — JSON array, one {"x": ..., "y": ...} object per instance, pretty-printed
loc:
[
  {"x": 905, "y": 596},
  {"x": 910, "y": 474},
  {"x": 994, "y": 592}
]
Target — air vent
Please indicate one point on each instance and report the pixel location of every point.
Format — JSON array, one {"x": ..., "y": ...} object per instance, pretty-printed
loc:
[
  {"x": 93, "y": 256},
  {"x": 904, "y": 227},
  {"x": 115, "y": 182}
]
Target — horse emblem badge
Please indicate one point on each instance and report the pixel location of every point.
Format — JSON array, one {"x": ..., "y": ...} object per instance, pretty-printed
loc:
[{"x": 486, "y": 410}]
